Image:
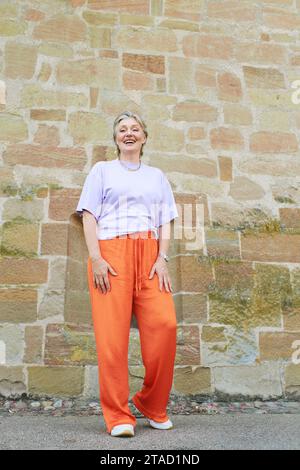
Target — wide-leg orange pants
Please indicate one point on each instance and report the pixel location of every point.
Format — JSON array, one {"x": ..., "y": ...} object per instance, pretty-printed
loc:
[{"x": 132, "y": 257}]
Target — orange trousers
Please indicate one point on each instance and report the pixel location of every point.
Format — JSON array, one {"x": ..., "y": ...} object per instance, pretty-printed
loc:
[{"x": 132, "y": 257}]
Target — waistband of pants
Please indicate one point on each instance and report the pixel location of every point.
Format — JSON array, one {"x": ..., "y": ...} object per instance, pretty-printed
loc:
[{"x": 137, "y": 235}]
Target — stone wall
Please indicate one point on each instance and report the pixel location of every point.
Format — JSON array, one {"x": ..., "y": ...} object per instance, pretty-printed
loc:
[{"x": 214, "y": 81}]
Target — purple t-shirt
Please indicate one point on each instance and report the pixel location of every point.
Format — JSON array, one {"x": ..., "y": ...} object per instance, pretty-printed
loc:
[{"x": 125, "y": 201}]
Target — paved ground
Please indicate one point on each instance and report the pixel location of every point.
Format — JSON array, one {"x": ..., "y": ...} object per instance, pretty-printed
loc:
[{"x": 193, "y": 432}]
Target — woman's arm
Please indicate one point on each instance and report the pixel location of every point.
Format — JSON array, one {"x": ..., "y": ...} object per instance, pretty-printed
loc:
[
  {"x": 160, "y": 265},
  {"x": 164, "y": 237},
  {"x": 100, "y": 266},
  {"x": 90, "y": 234}
]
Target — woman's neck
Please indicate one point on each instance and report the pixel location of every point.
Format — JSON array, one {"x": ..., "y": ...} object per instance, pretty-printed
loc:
[{"x": 130, "y": 158}]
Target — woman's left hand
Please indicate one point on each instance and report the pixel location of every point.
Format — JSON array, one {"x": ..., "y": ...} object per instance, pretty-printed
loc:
[{"x": 160, "y": 267}]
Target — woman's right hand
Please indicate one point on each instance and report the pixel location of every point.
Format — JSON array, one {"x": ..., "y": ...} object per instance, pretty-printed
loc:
[{"x": 100, "y": 269}]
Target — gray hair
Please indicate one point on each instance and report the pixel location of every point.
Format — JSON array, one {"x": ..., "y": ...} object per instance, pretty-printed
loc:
[{"x": 125, "y": 115}]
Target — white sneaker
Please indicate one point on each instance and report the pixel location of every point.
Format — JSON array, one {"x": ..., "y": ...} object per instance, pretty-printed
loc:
[
  {"x": 126, "y": 430},
  {"x": 166, "y": 425}
]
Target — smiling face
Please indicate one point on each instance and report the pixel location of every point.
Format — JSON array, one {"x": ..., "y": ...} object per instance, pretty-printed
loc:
[{"x": 130, "y": 136}]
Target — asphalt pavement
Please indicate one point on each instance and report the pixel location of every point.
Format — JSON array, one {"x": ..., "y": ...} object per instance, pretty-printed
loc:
[{"x": 193, "y": 432}]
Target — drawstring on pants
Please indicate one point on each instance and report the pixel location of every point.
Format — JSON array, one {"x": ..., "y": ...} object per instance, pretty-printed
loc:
[
  {"x": 137, "y": 264},
  {"x": 138, "y": 257}
]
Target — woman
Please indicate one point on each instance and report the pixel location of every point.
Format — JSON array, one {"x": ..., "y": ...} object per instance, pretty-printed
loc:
[{"x": 127, "y": 207}]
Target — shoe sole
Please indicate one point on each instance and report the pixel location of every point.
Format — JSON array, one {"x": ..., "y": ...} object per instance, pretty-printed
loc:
[
  {"x": 160, "y": 429},
  {"x": 123, "y": 434}
]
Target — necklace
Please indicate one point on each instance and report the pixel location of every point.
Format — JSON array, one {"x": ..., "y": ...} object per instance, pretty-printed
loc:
[{"x": 130, "y": 169}]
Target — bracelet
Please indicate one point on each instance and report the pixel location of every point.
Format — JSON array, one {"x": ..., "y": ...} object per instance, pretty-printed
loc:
[{"x": 163, "y": 255}]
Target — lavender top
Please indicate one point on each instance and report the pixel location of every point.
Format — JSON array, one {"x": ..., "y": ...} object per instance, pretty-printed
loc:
[{"x": 125, "y": 201}]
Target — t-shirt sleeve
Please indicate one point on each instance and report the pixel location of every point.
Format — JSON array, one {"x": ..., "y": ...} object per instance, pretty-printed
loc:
[
  {"x": 91, "y": 194},
  {"x": 168, "y": 210}
]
